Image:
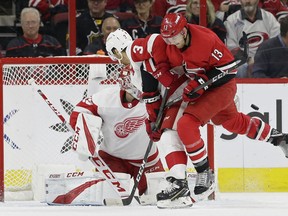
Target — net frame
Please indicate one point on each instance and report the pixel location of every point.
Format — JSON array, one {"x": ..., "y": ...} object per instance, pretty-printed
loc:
[{"x": 22, "y": 62}]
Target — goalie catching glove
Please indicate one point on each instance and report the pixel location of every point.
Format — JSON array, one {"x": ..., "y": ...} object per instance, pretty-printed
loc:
[
  {"x": 153, "y": 102},
  {"x": 188, "y": 93},
  {"x": 87, "y": 135}
]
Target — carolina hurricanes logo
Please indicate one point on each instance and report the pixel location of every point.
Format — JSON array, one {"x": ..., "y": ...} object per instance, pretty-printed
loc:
[
  {"x": 256, "y": 38},
  {"x": 129, "y": 125}
]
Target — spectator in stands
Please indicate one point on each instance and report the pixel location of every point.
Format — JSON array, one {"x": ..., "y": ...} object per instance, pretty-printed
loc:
[
  {"x": 143, "y": 23},
  {"x": 31, "y": 43},
  {"x": 258, "y": 24},
  {"x": 228, "y": 7},
  {"x": 225, "y": 8},
  {"x": 214, "y": 23},
  {"x": 54, "y": 17},
  {"x": 88, "y": 24},
  {"x": 110, "y": 24},
  {"x": 49, "y": 8},
  {"x": 162, "y": 7},
  {"x": 276, "y": 7},
  {"x": 271, "y": 59}
]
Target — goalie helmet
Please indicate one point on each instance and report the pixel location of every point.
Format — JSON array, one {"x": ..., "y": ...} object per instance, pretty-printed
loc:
[
  {"x": 172, "y": 25},
  {"x": 125, "y": 82},
  {"x": 118, "y": 40}
]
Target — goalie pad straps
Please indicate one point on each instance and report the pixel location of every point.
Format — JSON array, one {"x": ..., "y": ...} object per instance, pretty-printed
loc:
[{"x": 87, "y": 133}]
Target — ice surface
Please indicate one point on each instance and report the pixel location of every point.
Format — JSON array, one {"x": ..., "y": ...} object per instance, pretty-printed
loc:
[{"x": 226, "y": 204}]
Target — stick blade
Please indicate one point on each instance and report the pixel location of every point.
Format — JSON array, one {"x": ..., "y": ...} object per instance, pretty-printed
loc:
[
  {"x": 113, "y": 202},
  {"x": 120, "y": 202}
]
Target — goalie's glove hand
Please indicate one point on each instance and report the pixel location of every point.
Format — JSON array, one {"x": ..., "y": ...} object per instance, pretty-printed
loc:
[
  {"x": 153, "y": 102},
  {"x": 152, "y": 133},
  {"x": 188, "y": 93}
]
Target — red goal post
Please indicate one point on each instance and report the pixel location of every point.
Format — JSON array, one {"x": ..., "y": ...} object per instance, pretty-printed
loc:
[{"x": 32, "y": 135}]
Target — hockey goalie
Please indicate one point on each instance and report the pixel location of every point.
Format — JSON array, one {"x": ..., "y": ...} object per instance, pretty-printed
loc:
[{"x": 110, "y": 124}]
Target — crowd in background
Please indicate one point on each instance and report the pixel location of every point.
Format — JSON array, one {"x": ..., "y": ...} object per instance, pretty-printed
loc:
[{"x": 44, "y": 30}]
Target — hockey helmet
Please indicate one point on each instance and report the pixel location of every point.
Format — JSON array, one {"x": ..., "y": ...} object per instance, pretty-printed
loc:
[
  {"x": 118, "y": 40},
  {"x": 172, "y": 25}
]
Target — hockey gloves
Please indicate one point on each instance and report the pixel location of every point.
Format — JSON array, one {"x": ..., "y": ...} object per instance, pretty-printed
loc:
[
  {"x": 152, "y": 133},
  {"x": 188, "y": 93},
  {"x": 153, "y": 102},
  {"x": 164, "y": 75}
]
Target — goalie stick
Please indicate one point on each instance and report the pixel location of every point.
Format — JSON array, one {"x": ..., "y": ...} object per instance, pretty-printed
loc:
[
  {"x": 128, "y": 200},
  {"x": 237, "y": 63},
  {"x": 97, "y": 161}
]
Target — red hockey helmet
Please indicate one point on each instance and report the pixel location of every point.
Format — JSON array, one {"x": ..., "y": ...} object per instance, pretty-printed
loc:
[{"x": 172, "y": 24}]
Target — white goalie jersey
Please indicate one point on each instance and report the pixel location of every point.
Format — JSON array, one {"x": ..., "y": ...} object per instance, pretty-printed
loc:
[{"x": 123, "y": 126}]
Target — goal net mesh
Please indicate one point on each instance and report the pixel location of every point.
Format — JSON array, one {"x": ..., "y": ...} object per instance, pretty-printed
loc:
[{"x": 33, "y": 134}]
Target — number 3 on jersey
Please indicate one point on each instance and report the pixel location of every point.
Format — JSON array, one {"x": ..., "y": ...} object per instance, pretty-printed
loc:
[{"x": 138, "y": 49}]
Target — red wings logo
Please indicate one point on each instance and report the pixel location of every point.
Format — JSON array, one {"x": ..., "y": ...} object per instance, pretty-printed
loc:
[{"x": 129, "y": 125}]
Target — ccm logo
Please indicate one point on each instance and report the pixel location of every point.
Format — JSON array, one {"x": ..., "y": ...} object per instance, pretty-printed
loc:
[{"x": 75, "y": 174}]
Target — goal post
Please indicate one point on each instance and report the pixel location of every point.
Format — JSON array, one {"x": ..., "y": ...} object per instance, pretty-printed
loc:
[{"x": 33, "y": 139}]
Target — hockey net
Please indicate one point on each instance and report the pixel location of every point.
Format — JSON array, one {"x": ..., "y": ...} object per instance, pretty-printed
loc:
[{"x": 34, "y": 139}]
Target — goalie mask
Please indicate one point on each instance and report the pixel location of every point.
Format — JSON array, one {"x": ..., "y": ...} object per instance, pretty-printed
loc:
[
  {"x": 125, "y": 82},
  {"x": 117, "y": 40}
]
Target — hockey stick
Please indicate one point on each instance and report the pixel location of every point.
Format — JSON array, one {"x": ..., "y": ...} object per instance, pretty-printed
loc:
[
  {"x": 128, "y": 200},
  {"x": 100, "y": 165},
  {"x": 237, "y": 63}
]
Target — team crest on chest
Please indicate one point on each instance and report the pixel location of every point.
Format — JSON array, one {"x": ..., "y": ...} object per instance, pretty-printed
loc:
[{"x": 128, "y": 126}]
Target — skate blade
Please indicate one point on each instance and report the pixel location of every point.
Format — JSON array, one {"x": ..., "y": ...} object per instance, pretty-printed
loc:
[
  {"x": 148, "y": 200},
  {"x": 205, "y": 195},
  {"x": 181, "y": 202}
]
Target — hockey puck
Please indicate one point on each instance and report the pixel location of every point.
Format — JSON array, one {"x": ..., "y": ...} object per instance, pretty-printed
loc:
[{"x": 253, "y": 106}]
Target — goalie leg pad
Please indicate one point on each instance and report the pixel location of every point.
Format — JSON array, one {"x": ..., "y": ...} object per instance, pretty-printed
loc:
[
  {"x": 87, "y": 135},
  {"x": 81, "y": 188}
]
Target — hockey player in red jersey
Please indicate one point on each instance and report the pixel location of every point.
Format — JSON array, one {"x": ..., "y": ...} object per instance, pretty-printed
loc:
[
  {"x": 213, "y": 102},
  {"x": 204, "y": 57},
  {"x": 125, "y": 138},
  {"x": 149, "y": 52}
]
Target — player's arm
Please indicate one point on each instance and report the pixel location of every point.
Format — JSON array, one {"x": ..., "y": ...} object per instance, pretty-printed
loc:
[
  {"x": 221, "y": 62},
  {"x": 163, "y": 71},
  {"x": 151, "y": 50}
]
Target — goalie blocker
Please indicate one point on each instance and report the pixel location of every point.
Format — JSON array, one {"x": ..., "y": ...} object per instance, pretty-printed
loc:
[{"x": 87, "y": 135}]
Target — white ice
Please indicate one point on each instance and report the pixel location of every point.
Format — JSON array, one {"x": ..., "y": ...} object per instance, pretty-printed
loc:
[{"x": 225, "y": 204}]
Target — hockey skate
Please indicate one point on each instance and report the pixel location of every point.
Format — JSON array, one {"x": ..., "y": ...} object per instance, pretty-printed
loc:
[
  {"x": 205, "y": 184},
  {"x": 176, "y": 195},
  {"x": 279, "y": 139}
]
